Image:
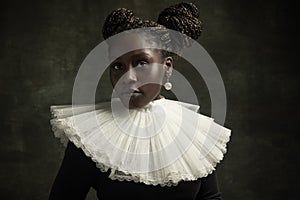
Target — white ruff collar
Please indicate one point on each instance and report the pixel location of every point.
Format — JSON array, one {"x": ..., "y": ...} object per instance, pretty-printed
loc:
[{"x": 161, "y": 144}]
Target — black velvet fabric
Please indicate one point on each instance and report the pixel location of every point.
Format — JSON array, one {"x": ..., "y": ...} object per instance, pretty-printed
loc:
[{"x": 78, "y": 173}]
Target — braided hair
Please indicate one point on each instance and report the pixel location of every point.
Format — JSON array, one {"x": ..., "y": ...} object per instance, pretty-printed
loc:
[{"x": 182, "y": 17}]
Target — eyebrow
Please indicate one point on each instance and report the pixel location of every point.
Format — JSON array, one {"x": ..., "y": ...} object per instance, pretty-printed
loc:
[
  {"x": 141, "y": 54},
  {"x": 135, "y": 55}
]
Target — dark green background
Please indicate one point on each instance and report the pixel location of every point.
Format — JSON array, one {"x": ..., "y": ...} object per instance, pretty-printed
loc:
[{"x": 253, "y": 44}]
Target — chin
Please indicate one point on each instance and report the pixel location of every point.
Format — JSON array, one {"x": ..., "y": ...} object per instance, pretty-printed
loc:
[{"x": 134, "y": 102}]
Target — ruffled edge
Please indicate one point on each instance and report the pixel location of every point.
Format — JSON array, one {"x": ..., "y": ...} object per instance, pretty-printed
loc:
[{"x": 104, "y": 163}]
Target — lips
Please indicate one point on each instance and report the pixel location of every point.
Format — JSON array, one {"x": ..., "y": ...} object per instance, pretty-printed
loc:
[{"x": 131, "y": 91}]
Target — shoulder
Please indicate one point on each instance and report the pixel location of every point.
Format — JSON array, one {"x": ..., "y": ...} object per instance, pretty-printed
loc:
[{"x": 76, "y": 156}]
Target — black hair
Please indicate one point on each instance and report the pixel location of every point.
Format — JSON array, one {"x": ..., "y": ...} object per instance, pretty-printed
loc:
[{"x": 182, "y": 17}]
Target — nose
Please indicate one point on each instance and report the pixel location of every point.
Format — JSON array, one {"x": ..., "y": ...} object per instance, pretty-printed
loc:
[{"x": 130, "y": 76}]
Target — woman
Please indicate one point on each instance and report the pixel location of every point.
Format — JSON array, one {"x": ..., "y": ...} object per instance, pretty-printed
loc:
[{"x": 141, "y": 141}]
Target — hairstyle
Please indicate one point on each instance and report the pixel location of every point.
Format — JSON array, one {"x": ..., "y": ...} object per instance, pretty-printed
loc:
[{"x": 182, "y": 17}]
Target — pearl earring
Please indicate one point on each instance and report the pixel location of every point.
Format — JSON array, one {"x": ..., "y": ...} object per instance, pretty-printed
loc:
[{"x": 168, "y": 85}]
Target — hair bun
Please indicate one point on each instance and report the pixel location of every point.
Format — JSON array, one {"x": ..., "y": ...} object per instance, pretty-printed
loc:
[
  {"x": 182, "y": 17},
  {"x": 117, "y": 19}
]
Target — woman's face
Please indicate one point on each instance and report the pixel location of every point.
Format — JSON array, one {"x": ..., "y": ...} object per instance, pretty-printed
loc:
[{"x": 137, "y": 75}]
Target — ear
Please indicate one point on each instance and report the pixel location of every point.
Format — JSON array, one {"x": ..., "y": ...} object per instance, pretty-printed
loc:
[{"x": 168, "y": 65}]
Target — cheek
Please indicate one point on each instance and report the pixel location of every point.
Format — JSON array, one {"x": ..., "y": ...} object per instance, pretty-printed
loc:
[
  {"x": 151, "y": 90},
  {"x": 114, "y": 78},
  {"x": 153, "y": 74}
]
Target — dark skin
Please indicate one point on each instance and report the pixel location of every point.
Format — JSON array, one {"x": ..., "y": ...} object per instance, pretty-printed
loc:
[
  {"x": 137, "y": 71},
  {"x": 137, "y": 76}
]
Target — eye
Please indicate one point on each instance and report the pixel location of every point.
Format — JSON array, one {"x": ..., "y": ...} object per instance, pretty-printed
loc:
[
  {"x": 116, "y": 66},
  {"x": 142, "y": 63}
]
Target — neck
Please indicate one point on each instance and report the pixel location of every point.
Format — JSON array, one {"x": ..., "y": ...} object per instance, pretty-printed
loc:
[{"x": 158, "y": 97}]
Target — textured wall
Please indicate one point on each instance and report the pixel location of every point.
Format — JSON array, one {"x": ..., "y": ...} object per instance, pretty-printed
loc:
[{"x": 252, "y": 43}]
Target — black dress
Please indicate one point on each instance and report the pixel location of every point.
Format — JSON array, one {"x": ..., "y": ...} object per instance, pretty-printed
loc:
[{"x": 78, "y": 173}]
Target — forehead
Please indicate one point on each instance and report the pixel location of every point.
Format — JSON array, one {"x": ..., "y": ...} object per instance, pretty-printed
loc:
[
  {"x": 152, "y": 54},
  {"x": 131, "y": 43}
]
